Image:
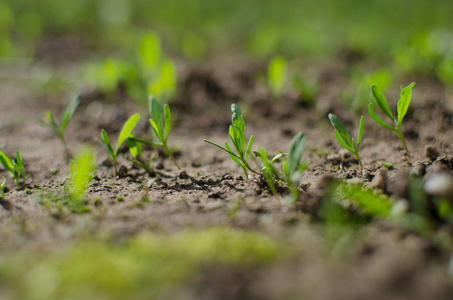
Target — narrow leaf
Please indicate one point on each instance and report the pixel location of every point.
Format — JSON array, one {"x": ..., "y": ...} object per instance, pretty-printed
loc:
[
  {"x": 167, "y": 116},
  {"x": 157, "y": 114},
  {"x": 403, "y": 103},
  {"x": 295, "y": 152},
  {"x": 249, "y": 147},
  {"x": 336, "y": 123},
  {"x": 69, "y": 112},
  {"x": 359, "y": 137},
  {"x": 126, "y": 130},
  {"x": 144, "y": 142},
  {"x": 108, "y": 146},
  {"x": 224, "y": 149},
  {"x": 237, "y": 118},
  {"x": 381, "y": 101},
  {"x": 233, "y": 157},
  {"x": 6, "y": 162},
  {"x": 342, "y": 143},
  {"x": 377, "y": 119}
]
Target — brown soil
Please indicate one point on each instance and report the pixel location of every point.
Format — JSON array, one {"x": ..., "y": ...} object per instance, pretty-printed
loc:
[{"x": 389, "y": 263}]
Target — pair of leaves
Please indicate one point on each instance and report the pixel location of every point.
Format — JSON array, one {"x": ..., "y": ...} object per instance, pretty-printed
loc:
[
  {"x": 160, "y": 119},
  {"x": 342, "y": 135},
  {"x": 381, "y": 102},
  {"x": 124, "y": 134},
  {"x": 66, "y": 116}
]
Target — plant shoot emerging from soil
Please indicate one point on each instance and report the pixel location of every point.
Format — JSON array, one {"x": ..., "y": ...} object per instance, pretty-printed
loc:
[
  {"x": 14, "y": 167},
  {"x": 236, "y": 132},
  {"x": 293, "y": 166},
  {"x": 136, "y": 151},
  {"x": 82, "y": 168},
  {"x": 125, "y": 132},
  {"x": 59, "y": 130},
  {"x": 403, "y": 105},
  {"x": 277, "y": 76},
  {"x": 343, "y": 138},
  {"x": 161, "y": 123}
]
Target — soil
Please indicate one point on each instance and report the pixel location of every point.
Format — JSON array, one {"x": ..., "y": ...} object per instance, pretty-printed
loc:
[{"x": 210, "y": 190}]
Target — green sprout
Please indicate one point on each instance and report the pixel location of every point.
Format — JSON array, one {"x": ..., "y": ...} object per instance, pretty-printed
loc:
[
  {"x": 293, "y": 166},
  {"x": 277, "y": 76},
  {"x": 161, "y": 124},
  {"x": 403, "y": 105},
  {"x": 136, "y": 151},
  {"x": 269, "y": 172},
  {"x": 236, "y": 132},
  {"x": 125, "y": 132},
  {"x": 82, "y": 168},
  {"x": 14, "y": 167},
  {"x": 59, "y": 130},
  {"x": 343, "y": 137},
  {"x": 2, "y": 188}
]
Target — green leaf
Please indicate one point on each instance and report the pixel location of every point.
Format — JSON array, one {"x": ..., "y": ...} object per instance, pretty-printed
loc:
[
  {"x": 69, "y": 112},
  {"x": 156, "y": 129},
  {"x": 359, "y": 137},
  {"x": 336, "y": 123},
  {"x": 167, "y": 116},
  {"x": 277, "y": 75},
  {"x": 20, "y": 164},
  {"x": 107, "y": 145},
  {"x": 144, "y": 142},
  {"x": 224, "y": 149},
  {"x": 126, "y": 130},
  {"x": 381, "y": 101},
  {"x": 135, "y": 148},
  {"x": 233, "y": 156},
  {"x": 249, "y": 146},
  {"x": 157, "y": 114},
  {"x": 403, "y": 103},
  {"x": 237, "y": 118},
  {"x": 377, "y": 119},
  {"x": 342, "y": 143},
  {"x": 295, "y": 152},
  {"x": 149, "y": 52},
  {"x": 236, "y": 139},
  {"x": 6, "y": 162}
]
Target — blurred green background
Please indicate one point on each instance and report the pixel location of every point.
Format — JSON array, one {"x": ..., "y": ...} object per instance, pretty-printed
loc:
[{"x": 407, "y": 36}]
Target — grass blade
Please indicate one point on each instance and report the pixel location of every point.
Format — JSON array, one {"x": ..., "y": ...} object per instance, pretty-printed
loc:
[
  {"x": 224, "y": 149},
  {"x": 295, "y": 152},
  {"x": 157, "y": 114},
  {"x": 167, "y": 116},
  {"x": 342, "y": 142},
  {"x": 6, "y": 162},
  {"x": 233, "y": 155},
  {"x": 403, "y": 103},
  {"x": 126, "y": 130},
  {"x": 249, "y": 147},
  {"x": 69, "y": 112},
  {"x": 381, "y": 101},
  {"x": 107, "y": 145}
]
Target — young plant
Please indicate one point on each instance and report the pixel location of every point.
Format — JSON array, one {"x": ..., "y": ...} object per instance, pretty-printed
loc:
[
  {"x": 136, "y": 151},
  {"x": 14, "y": 167},
  {"x": 59, "y": 130},
  {"x": 161, "y": 124},
  {"x": 125, "y": 132},
  {"x": 236, "y": 132},
  {"x": 343, "y": 137},
  {"x": 403, "y": 105},
  {"x": 277, "y": 76},
  {"x": 269, "y": 172},
  {"x": 82, "y": 168},
  {"x": 293, "y": 166}
]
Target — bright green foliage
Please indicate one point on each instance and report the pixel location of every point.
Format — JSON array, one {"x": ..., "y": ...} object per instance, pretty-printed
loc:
[
  {"x": 270, "y": 173},
  {"x": 236, "y": 132},
  {"x": 136, "y": 151},
  {"x": 125, "y": 132},
  {"x": 163, "y": 84},
  {"x": 161, "y": 123},
  {"x": 277, "y": 76},
  {"x": 14, "y": 167},
  {"x": 82, "y": 168},
  {"x": 59, "y": 130},
  {"x": 2, "y": 188},
  {"x": 149, "y": 52},
  {"x": 403, "y": 105},
  {"x": 343, "y": 138}
]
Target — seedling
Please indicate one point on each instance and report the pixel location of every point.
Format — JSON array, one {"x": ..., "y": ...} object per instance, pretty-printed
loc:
[
  {"x": 125, "y": 132},
  {"x": 270, "y": 173},
  {"x": 14, "y": 167},
  {"x": 161, "y": 124},
  {"x": 403, "y": 105},
  {"x": 59, "y": 130},
  {"x": 136, "y": 151},
  {"x": 82, "y": 168},
  {"x": 236, "y": 132},
  {"x": 343, "y": 137},
  {"x": 277, "y": 76}
]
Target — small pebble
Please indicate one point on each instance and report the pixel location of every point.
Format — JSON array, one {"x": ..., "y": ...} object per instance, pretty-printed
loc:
[
  {"x": 419, "y": 170},
  {"x": 380, "y": 180},
  {"x": 440, "y": 184}
]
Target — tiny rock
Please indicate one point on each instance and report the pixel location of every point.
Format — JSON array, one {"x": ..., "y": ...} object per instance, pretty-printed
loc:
[
  {"x": 380, "y": 180},
  {"x": 440, "y": 184}
]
